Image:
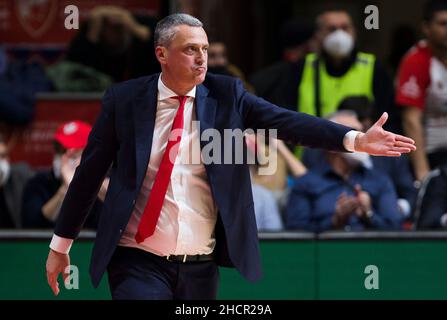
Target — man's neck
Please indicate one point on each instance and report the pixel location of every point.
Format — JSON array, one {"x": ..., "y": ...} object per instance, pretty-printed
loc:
[{"x": 174, "y": 86}]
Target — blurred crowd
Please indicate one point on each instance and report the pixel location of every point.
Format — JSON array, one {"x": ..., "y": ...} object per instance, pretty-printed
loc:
[{"x": 323, "y": 72}]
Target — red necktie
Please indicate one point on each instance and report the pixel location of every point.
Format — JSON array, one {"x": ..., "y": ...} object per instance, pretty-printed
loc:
[{"x": 151, "y": 213}]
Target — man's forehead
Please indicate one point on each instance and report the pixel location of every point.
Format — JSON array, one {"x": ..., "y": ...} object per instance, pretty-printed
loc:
[
  {"x": 188, "y": 34},
  {"x": 336, "y": 18}
]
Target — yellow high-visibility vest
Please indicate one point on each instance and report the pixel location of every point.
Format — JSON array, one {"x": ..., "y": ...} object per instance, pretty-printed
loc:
[{"x": 358, "y": 81}]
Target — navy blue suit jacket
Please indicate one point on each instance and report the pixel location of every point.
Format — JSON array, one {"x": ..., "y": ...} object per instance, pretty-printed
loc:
[{"x": 122, "y": 138}]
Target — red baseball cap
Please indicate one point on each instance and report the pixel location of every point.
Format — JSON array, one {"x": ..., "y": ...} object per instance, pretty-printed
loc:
[{"x": 73, "y": 134}]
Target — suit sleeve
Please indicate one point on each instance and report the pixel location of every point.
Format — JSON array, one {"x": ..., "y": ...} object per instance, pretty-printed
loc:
[
  {"x": 293, "y": 127},
  {"x": 95, "y": 162}
]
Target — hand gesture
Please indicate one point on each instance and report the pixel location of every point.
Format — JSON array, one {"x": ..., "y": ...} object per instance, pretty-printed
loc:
[{"x": 379, "y": 142}]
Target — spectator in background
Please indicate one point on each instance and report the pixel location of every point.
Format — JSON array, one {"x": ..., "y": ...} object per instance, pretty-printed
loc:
[
  {"x": 19, "y": 83},
  {"x": 218, "y": 63},
  {"x": 268, "y": 217},
  {"x": 345, "y": 195},
  {"x": 270, "y": 191},
  {"x": 116, "y": 43},
  {"x": 278, "y": 83},
  {"x": 13, "y": 178},
  {"x": 44, "y": 193},
  {"x": 403, "y": 38},
  {"x": 397, "y": 169},
  {"x": 422, "y": 92},
  {"x": 431, "y": 211},
  {"x": 340, "y": 70}
]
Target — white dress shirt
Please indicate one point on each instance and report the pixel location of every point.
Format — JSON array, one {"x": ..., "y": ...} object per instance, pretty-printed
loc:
[
  {"x": 188, "y": 216},
  {"x": 189, "y": 213}
]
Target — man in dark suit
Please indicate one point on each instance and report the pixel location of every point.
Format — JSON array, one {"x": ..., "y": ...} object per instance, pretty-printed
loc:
[{"x": 165, "y": 228}]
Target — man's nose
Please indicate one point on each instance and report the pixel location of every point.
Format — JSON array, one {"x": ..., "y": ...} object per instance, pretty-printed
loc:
[{"x": 201, "y": 57}]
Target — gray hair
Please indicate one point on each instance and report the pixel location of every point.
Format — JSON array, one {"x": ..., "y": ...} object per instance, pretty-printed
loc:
[{"x": 165, "y": 29}]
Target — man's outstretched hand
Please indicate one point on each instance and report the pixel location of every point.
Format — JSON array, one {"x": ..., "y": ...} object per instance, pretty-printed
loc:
[
  {"x": 56, "y": 263},
  {"x": 378, "y": 142}
]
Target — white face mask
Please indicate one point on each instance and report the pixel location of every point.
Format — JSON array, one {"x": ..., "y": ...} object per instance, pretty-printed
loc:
[
  {"x": 57, "y": 164},
  {"x": 357, "y": 159},
  {"x": 5, "y": 171},
  {"x": 338, "y": 44}
]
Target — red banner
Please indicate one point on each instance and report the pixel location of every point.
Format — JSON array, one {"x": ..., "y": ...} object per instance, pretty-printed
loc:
[
  {"x": 41, "y": 22},
  {"x": 35, "y": 144}
]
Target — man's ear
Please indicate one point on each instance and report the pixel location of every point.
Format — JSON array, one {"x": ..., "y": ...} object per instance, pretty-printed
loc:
[{"x": 161, "y": 53}]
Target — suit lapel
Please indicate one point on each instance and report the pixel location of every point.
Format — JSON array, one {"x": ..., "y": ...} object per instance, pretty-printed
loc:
[
  {"x": 205, "y": 110},
  {"x": 144, "y": 114}
]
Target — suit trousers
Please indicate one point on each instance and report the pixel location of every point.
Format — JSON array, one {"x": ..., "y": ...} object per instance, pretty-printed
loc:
[{"x": 136, "y": 274}]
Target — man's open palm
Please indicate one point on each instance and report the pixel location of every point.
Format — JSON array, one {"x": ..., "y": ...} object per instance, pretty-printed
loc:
[{"x": 379, "y": 142}]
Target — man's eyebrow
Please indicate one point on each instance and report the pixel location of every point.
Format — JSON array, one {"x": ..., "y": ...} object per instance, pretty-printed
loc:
[{"x": 195, "y": 44}]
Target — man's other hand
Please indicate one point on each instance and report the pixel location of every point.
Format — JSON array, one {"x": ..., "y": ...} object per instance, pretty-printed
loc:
[{"x": 56, "y": 263}]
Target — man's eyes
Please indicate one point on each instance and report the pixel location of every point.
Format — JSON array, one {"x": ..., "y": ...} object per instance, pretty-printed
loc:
[{"x": 194, "y": 49}]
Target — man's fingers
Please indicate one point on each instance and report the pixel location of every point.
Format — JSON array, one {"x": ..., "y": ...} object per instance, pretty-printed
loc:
[
  {"x": 65, "y": 277},
  {"x": 404, "y": 139},
  {"x": 382, "y": 120},
  {"x": 401, "y": 150},
  {"x": 404, "y": 145},
  {"x": 53, "y": 283},
  {"x": 391, "y": 153}
]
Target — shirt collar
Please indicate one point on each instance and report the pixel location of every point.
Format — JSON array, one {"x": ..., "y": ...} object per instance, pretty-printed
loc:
[{"x": 165, "y": 93}]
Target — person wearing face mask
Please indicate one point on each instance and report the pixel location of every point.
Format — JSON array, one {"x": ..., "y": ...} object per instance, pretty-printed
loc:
[
  {"x": 44, "y": 193},
  {"x": 340, "y": 70},
  {"x": 346, "y": 193},
  {"x": 13, "y": 178}
]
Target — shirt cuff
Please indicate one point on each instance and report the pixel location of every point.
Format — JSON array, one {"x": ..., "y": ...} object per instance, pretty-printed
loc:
[
  {"x": 349, "y": 140},
  {"x": 61, "y": 245}
]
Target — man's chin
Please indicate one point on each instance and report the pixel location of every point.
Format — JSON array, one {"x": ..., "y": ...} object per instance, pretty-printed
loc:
[{"x": 200, "y": 78}]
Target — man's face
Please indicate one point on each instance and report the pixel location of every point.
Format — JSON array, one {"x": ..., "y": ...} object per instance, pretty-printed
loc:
[
  {"x": 329, "y": 22},
  {"x": 186, "y": 57},
  {"x": 436, "y": 30}
]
